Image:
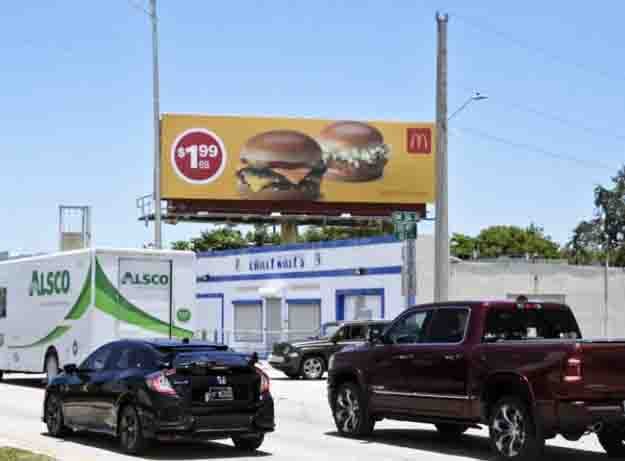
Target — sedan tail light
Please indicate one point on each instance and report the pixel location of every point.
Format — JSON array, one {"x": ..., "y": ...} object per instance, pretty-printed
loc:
[
  {"x": 573, "y": 370},
  {"x": 265, "y": 383},
  {"x": 159, "y": 382}
]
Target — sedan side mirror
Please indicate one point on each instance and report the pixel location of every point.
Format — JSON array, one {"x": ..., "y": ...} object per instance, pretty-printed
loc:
[{"x": 70, "y": 368}]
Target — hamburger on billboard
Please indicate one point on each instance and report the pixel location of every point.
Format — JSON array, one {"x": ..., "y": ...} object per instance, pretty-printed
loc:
[{"x": 287, "y": 161}]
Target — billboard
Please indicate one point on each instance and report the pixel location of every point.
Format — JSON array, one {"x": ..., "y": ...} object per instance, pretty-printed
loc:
[{"x": 296, "y": 164}]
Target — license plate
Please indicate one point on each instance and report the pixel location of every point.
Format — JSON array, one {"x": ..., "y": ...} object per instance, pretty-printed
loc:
[
  {"x": 218, "y": 393},
  {"x": 275, "y": 359}
]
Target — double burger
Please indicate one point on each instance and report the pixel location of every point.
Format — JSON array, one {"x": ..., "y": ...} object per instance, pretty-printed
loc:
[
  {"x": 280, "y": 165},
  {"x": 353, "y": 151}
]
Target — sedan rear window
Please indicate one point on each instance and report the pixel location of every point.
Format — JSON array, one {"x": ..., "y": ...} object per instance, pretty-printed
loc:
[{"x": 186, "y": 358}]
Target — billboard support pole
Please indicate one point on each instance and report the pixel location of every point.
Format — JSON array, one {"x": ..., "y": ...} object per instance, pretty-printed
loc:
[
  {"x": 441, "y": 253},
  {"x": 158, "y": 242},
  {"x": 288, "y": 231}
]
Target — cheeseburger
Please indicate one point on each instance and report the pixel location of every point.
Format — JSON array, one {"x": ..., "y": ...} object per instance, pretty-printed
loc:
[
  {"x": 280, "y": 165},
  {"x": 353, "y": 151}
]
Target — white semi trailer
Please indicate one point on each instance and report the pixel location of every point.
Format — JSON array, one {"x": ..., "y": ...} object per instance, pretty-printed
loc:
[{"x": 56, "y": 309}]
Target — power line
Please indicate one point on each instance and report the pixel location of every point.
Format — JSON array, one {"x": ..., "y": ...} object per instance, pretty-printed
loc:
[
  {"x": 534, "y": 148},
  {"x": 487, "y": 28},
  {"x": 575, "y": 124}
]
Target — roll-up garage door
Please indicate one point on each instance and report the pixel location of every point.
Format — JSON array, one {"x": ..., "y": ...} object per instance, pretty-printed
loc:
[
  {"x": 304, "y": 319},
  {"x": 248, "y": 322}
]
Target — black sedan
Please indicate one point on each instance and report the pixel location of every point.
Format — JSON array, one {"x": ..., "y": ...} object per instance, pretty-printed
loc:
[{"x": 144, "y": 390}]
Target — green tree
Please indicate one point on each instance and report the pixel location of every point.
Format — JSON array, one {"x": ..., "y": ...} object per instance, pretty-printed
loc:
[
  {"x": 261, "y": 236},
  {"x": 463, "y": 246},
  {"x": 181, "y": 245},
  {"x": 326, "y": 233},
  {"x": 605, "y": 232},
  {"x": 585, "y": 246},
  {"x": 514, "y": 241},
  {"x": 221, "y": 238}
]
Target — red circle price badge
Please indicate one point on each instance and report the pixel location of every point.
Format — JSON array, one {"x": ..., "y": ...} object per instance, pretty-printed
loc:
[{"x": 198, "y": 156}]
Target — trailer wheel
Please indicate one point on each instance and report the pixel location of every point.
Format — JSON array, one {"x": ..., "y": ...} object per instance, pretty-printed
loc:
[
  {"x": 51, "y": 366},
  {"x": 1, "y": 375}
]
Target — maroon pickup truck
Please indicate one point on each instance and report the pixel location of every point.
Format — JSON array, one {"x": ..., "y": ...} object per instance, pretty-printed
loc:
[{"x": 521, "y": 368}]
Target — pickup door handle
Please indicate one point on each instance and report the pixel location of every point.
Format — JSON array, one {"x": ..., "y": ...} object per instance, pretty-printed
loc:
[
  {"x": 453, "y": 357},
  {"x": 404, "y": 356}
]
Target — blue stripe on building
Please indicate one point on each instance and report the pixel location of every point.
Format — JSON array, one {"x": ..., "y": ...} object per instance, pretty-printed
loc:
[{"x": 353, "y": 272}]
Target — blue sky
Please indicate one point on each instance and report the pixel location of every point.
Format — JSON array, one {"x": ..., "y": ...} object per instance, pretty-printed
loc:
[{"x": 76, "y": 98}]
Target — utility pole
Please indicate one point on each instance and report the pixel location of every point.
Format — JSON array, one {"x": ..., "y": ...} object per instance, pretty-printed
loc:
[
  {"x": 441, "y": 253},
  {"x": 158, "y": 240},
  {"x": 605, "y": 292}
]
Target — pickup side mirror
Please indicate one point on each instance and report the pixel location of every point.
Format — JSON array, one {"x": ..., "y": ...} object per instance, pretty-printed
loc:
[
  {"x": 70, "y": 368},
  {"x": 253, "y": 359},
  {"x": 374, "y": 336},
  {"x": 163, "y": 365}
]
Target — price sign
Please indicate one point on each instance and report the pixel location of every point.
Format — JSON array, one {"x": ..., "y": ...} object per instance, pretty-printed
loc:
[{"x": 198, "y": 156}]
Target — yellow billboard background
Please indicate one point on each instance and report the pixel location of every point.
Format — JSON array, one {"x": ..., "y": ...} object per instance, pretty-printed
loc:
[{"x": 408, "y": 177}]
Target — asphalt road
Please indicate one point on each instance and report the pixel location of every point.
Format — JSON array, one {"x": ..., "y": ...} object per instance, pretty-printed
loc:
[{"x": 305, "y": 432}]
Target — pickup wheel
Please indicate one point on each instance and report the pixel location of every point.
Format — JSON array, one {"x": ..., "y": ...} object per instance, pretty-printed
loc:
[
  {"x": 611, "y": 439},
  {"x": 513, "y": 434},
  {"x": 313, "y": 367},
  {"x": 451, "y": 431},
  {"x": 350, "y": 411}
]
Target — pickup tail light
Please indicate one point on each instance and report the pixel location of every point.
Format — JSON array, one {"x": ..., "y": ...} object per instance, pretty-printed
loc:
[
  {"x": 573, "y": 370},
  {"x": 158, "y": 382},
  {"x": 265, "y": 383}
]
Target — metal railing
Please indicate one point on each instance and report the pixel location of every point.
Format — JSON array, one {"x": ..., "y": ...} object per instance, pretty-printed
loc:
[{"x": 145, "y": 206}]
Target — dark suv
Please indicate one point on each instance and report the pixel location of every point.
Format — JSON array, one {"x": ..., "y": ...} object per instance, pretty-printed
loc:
[
  {"x": 163, "y": 389},
  {"x": 310, "y": 358}
]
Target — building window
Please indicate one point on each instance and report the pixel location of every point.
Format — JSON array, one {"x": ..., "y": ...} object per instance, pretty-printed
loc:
[{"x": 3, "y": 303}]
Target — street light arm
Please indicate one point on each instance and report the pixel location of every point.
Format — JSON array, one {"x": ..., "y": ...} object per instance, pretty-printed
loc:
[
  {"x": 477, "y": 96},
  {"x": 459, "y": 109},
  {"x": 137, "y": 6}
]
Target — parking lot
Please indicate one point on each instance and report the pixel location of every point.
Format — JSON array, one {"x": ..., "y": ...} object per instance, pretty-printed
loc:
[{"x": 305, "y": 432}]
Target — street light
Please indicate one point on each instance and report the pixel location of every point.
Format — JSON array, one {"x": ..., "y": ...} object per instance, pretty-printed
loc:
[
  {"x": 441, "y": 230},
  {"x": 477, "y": 96}
]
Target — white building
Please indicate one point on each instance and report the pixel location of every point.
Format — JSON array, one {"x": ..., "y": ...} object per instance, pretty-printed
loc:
[{"x": 252, "y": 297}]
